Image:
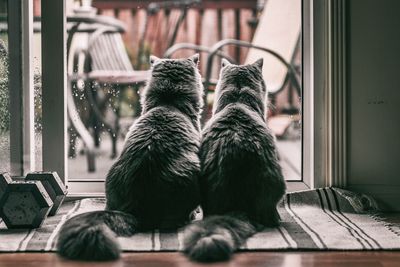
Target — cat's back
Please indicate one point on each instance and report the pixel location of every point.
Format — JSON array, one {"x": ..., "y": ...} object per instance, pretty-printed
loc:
[
  {"x": 237, "y": 139},
  {"x": 236, "y": 122},
  {"x": 163, "y": 132},
  {"x": 160, "y": 154},
  {"x": 167, "y": 122}
]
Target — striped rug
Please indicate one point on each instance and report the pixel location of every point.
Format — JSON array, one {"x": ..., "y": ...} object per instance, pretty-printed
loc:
[{"x": 321, "y": 219}]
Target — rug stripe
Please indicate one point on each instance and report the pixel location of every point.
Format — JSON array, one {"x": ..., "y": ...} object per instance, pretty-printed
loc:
[
  {"x": 42, "y": 235},
  {"x": 245, "y": 245},
  {"x": 336, "y": 201},
  {"x": 51, "y": 243},
  {"x": 313, "y": 234},
  {"x": 269, "y": 238},
  {"x": 11, "y": 239},
  {"x": 152, "y": 240},
  {"x": 180, "y": 240},
  {"x": 39, "y": 240},
  {"x": 24, "y": 242},
  {"x": 288, "y": 239},
  {"x": 20, "y": 246},
  {"x": 157, "y": 243},
  {"x": 341, "y": 219},
  {"x": 169, "y": 240},
  {"x": 301, "y": 237},
  {"x": 138, "y": 242},
  {"x": 351, "y": 231}
]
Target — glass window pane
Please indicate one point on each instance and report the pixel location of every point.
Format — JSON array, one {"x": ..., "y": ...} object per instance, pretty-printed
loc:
[{"x": 107, "y": 109}]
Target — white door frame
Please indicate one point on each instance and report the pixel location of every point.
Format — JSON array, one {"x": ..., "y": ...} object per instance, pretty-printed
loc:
[
  {"x": 324, "y": 100},
  {"x": 54, "y": 87},
  {"x": 20, "y": 31}
]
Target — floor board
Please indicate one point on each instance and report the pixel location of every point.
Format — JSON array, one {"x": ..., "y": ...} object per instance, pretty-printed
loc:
[{"x": 245, "y": 259}]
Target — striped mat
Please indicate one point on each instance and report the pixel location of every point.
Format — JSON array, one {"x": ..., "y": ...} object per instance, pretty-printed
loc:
[{"x": 321, "y": 219}]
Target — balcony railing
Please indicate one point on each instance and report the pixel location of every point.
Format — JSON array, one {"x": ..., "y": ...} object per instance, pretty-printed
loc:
[{"x": 153, "y": 26}]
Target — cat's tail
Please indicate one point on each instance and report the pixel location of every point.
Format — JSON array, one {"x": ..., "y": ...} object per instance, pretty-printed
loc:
[
  {"x": 92, "y": 236},
  {"x": 216, "y": 237}
]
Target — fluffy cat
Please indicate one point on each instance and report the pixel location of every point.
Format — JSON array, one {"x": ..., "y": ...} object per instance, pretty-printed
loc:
[
  {"x": 154, "y": 183},
  {"x": 241, "y": 180}
]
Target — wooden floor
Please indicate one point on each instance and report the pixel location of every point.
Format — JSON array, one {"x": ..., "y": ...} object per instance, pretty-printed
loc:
[{"x": 246, "y": 259}]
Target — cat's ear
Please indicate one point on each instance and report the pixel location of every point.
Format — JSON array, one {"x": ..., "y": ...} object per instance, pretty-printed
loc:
[
  {"x": 259, "y": 63},
  {"x": 195, "y": 58},
  {"x": 153, "y": 59},
  {"x": 225, "y": 62}
]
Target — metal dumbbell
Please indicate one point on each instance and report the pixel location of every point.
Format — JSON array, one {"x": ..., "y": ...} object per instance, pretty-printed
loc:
[
  {"x": 53, "y": 185},
  {"x": 5, "y": 179},
  {"x": 23, "y": 204}
]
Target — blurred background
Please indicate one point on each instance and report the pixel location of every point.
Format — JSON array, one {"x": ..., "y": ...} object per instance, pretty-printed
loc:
[{"x": 109, "y": 43}]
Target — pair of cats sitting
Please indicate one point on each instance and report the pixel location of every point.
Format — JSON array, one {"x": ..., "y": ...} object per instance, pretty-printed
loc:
[{"x": 169, "y": 166}]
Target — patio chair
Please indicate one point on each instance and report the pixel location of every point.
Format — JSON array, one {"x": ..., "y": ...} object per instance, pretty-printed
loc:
[
  {"x": 278, "y": 50},
  {"x": 279, "y": 29},
  {"x": 215, "y": 50},
  {"x": 98, "y": 57},
  {"x": 199, "y": 49}
]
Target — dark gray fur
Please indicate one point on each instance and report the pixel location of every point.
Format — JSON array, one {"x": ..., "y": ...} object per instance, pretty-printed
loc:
[
  {"x": 241, "y": 180},
  {"x": 154, "y": 183}
]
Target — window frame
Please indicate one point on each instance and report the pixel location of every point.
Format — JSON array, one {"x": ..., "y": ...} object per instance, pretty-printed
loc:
[
  {"x": 20, "y": 31},
  {"x": 323, "y": 100}
]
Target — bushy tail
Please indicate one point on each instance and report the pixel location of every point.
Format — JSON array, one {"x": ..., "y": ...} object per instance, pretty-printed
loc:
[
  {"x": 216, "y": 237},
  {"x": 92, "y": 236}
]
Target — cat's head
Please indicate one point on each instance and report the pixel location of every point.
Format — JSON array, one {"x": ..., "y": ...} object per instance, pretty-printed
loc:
[
  {"x": 174, "y": 82},
  {"x": 175, "y": 70},
  {"x": 242, "y": 84}
]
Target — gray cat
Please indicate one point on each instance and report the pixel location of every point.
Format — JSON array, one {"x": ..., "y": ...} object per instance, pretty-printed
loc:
[
  {"x": 154, "y": 183},
  {"x": 241, "y": 180}
]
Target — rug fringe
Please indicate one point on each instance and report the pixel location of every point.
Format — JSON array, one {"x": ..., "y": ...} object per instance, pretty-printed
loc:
[
  {"x": 392, "y": 227},
  {"x": 361, "y": 203}
]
